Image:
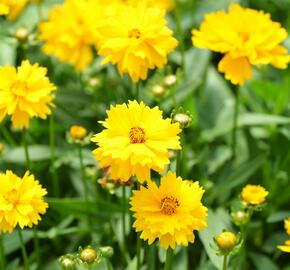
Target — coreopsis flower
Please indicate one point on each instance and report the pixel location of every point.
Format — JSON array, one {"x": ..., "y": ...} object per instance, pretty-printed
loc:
[
  {"x": 78, "y": 132},
  {"x": 170, "y": 212},
  {"x": 25, "y": 93},
  {"x": 12, "y": 8},
  {"x": 163, "y": 4},
  {"x": 136, "y": 39},
  {"x": 70, "y": 32},
  {"x": 286, "y": 246},
  {"x": 246, "y": 37},
  {"x": 135, "y": 140},
  {"x": 254, "y": 194},
  {"x": 21, "y": 201},
  {"x": 226, "y": 241}
]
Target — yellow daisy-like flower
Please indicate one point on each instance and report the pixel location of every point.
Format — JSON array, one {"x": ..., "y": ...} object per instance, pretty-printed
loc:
[
  {"x": 136, "y": 39},
  {"x": 21, "y": 201},
  {"x": 226, "y": 241},
  {"x": 287, "y": 225},
  {"x": 285, "y": 247},
  {"x": 71, "y": 32},
  {"x": 136, "y": 139},
  {"x": 12, "y": 8},
  {"x": 246, "y": 37},
  {"x": 170, "y": 212},
  {"x": 25, "y": 93},
  {"x": 254, "y": 194}
]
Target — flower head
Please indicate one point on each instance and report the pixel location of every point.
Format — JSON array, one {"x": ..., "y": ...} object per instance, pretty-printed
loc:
[
  {"x": 246, "y": 37},
  {"x": 254, "y": 194},
  {"x": 285, "y": 247},
  {"x": 163, "y": 4},
  {"x": 21, "y": 201},
  {"x": 136, "y": 39},
  {"x": 170, "y": 212},
  {"x": 226, "y": 241},
  {"x": 71, "y": 31},
  {"x": 12, "y": 8},
  {"x": 25, "y": 93},
  {"x": 136, "y": 139},
  {"x": 78, "y": 132}
]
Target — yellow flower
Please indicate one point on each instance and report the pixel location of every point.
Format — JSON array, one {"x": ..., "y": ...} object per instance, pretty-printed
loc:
[
  {"x": 136, "y": 39},
  {"x": 287, "y": 225},
  {"x": 163, "y": 4},
  {"x": 226, "y": 241},
  {"x": 136, "y": 139},
  {"x": 170, "y": 212},
  {"x": 254, "y": 194},
  {"x": 21, "y": 201},
  {"x": 71, "y": 31},
  {"x": 246, "y": 37},
  {"x": 285, "y": 247},
  {"x": 78, "y": 132},
  {"x": 25, "y": 93},
  {"x": 12, "y": 8}
]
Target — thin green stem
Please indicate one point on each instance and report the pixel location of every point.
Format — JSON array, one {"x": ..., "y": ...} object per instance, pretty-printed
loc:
[
  {"x": 7, "y": 136},
  {"x": 23, "y": 250},
  {"x": 169, "y": 259},
  {"x": 225, "y": 262},
  {"x": 180, "y": 33},
  {"x": 2, "y": 254},
  {"x": 138, "y": 252},
  {"x": 235, "y": 121},
  {"x": 109, "y": 265},
  {"x": 85, "y": 185},
  {"x": 52, "y": 156},
  {"x": 25, "y": 144}
]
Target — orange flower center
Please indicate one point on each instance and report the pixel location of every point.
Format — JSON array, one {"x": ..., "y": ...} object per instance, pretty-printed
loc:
[
  {"x": 12, "y": 197},
  {"x": 19, "y": 88},
  {"x": 137, "y": 135},
  {"x": 134, "y": 33},
  {"x": 168, "y": 205}
]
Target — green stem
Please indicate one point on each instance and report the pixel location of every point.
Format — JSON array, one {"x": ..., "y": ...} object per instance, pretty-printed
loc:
[
  {"x": 180, "y": 33},
  {"x": 52, "y": 156},
  {"x": 7, "y": 136},
  {"x": 235, "y": 122},
  {"x": 138, "y": 252},
  {"x": 28, "y": 165},
  {"x": 109, "y": 265},
  {"x": 85, "y": 186},
  {"x": 169, "y": 259},
  {"x": 225, "y": 263},
  {"x": 25, "y": 144},
  {"x": 137, "y": 95},
  {"x": 23, "y": 250},
  {"x": 124, "y": 200},
  {"x": 2, "y": 255}
]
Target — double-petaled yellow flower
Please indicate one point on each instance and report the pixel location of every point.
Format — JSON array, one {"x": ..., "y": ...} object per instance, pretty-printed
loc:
[
  {"x": 25, "y": 93},
  {"x": 136, "y": 39},
  {"x": 254, "y": 194},
  {"x": 21, "y": 201},
  {"x": 135, "y": 140},
  {"x": 12, "y": 8},
  {"x": 71, "y": 31},
  {"x": 170, "y": 212},
  {"x": 246, "y": 37}
]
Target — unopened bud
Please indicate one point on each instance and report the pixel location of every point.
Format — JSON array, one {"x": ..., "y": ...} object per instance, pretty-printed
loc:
[
  {"x": 22, "y": 34},
  {"x": 107, "y": 252},
  {"x": 67, "y": 262},
  {"x": 226, "y": 241},
  {"x": 88, "y": 255},
  {"x": 183, "y": 119},
  {"x": 78, "y": 132},
  {"x": 158, "y": 90},
  {"x": 240, "y": 217},
  {"x": 170, "y": 80}
]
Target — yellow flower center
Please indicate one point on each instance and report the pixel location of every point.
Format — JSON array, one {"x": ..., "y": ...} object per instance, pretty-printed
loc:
[
  {"x": 137, "y": 135},
  {"x": 19, "y": 88},
  {"x": 12, "y": 197},
  {"x": 169, "y": 205},
  {"x": 134, "y": 33}
]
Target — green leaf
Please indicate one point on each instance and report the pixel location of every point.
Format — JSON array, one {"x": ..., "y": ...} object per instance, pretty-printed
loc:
[
  {"x": 278, "y": 216},
  {"x": 262, "y": 262},
  {"x": 12, "y": 243}
]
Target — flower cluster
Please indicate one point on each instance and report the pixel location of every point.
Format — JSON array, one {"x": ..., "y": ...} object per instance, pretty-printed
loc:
[{"x": 21, "y": 201}]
